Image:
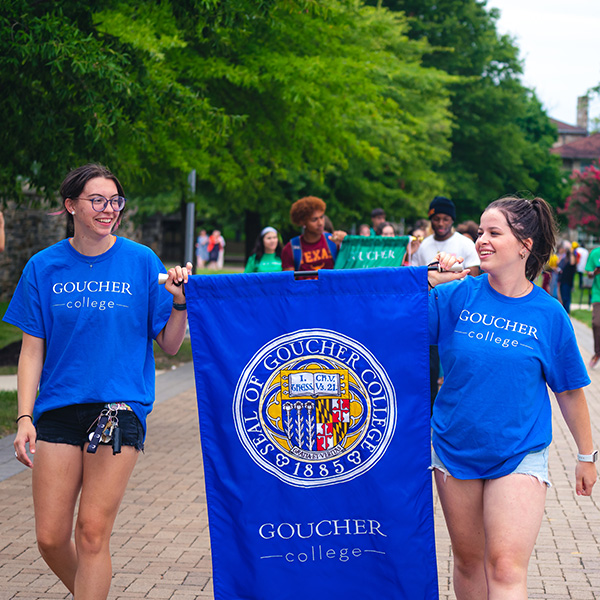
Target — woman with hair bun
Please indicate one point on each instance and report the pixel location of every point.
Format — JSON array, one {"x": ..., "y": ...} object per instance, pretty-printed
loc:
[{"x": 502, "y": 342}]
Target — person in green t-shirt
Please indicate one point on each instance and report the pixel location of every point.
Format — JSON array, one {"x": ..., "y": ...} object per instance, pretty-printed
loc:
[
  {"x": 592, "y": 268},
  {"x": 267, "y": 253}
]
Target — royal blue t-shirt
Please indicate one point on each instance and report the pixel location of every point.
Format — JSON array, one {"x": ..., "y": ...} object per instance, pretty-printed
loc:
[
  {"x": 99, "y": 317},
  {"x": 499, "y": 354}
]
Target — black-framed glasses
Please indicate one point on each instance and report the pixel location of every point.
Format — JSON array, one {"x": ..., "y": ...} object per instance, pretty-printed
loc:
[{"x": 99, "y": 203}]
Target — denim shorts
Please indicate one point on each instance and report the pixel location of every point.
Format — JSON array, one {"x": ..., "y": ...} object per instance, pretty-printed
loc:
[
  {"x": 534, "y": 464},
  {"x": 73, "y": 424}
]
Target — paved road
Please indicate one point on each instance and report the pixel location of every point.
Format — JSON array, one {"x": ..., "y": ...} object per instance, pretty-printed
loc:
[{"x": 161, "y": 546}]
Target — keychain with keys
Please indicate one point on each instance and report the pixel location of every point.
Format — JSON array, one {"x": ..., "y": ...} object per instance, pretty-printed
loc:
[
  {"x": 102, "y": 425},
  {"x": 107, "y": 429},
  {"x": 116, "y": 436},
  {"x": 108, "y": 432}
]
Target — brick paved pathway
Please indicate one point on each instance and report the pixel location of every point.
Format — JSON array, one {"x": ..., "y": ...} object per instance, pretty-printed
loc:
[{"x": 161, "y": 545}]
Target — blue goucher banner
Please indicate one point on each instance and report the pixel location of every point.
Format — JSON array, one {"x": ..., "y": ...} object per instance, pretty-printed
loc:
[{"x": 313, "y": 399}]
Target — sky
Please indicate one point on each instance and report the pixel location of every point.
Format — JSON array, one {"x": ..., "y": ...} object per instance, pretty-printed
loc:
[{"x": 559, "y": 41}]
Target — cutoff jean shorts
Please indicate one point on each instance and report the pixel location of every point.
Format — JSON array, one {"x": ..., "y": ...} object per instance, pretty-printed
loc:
[
  {"x": 73, "y": 424},
  {"x": 534, "y": 464}
]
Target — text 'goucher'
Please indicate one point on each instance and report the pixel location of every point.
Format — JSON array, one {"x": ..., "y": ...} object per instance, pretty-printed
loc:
[{"x": 498, "y": 323}]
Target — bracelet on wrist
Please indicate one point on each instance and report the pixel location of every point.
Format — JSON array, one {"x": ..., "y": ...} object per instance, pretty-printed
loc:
[
  {"x": 23, "y": 416},
  {"x": 178, "y": 306}
]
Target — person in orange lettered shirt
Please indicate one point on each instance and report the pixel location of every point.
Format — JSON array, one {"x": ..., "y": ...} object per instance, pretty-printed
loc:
[{"x": 314, "y": 249}]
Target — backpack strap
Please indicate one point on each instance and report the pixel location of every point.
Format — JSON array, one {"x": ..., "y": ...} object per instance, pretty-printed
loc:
[
  {"x": 332, "y": 245},
  {"x": 297, "y": 249},
  {"x": 296, "y": 252}
]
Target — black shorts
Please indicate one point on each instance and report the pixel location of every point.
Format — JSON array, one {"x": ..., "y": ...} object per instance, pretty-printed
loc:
[{"x": 73, "y": 425}]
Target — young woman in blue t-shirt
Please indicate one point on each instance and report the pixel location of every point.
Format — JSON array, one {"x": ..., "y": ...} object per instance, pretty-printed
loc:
[
  {"x": 90, "y": 308},
  {"x": 502, "y": 342}
]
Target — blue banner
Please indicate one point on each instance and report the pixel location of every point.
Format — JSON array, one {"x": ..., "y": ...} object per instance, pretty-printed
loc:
[{"x": 313, "y": 399}]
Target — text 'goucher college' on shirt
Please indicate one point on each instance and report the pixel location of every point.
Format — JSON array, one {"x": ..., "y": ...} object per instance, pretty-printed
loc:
[
  {"x": 498, "y": 322},
  {"x": 65, "y": 298},
  {"x": 499, "y": 355}
]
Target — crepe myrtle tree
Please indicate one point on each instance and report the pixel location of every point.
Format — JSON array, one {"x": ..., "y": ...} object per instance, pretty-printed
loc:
[{"x": 582, "y": 206}]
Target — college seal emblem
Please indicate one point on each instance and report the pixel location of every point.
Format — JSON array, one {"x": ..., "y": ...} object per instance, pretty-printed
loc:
[{"x": 314, "y": 408}]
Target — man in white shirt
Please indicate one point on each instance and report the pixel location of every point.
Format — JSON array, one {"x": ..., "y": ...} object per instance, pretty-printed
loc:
[
  {"x": 582, "y": 255},
  {"x": 442, "y": 214}
]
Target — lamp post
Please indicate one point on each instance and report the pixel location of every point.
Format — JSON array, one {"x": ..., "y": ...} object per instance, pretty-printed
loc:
[{"x": 190, "y": 221}]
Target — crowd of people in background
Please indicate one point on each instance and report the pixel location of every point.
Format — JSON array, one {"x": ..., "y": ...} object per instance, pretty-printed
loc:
[
  {"x": 318, "y": 243},
  {"x": 566, "y": 272}
]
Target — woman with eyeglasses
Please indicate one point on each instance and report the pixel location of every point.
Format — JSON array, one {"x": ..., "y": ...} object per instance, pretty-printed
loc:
[{"x": 90, "y": 308}]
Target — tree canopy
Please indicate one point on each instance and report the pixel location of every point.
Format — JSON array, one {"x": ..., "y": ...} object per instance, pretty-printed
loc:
[
  {"x": 501, "y": 135},
  {"x": 266, "y": 100},
  {"x": 73, "y": 93},
  {"x": 269, "y": 100}
]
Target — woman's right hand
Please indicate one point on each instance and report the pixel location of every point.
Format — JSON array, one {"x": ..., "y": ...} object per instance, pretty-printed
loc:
[
  {"x": 448, "y": 264},
  {"x": 26, "y": 434}
]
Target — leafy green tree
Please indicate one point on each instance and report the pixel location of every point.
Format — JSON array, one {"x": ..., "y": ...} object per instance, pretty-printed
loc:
[
  {"x": 72, "y": 93},
  {"x": 268, "y": 100},
  {"x": 594, "y": 123},
  {"x": 501, "y": 136},
  {"x": 330, "y": 98}
]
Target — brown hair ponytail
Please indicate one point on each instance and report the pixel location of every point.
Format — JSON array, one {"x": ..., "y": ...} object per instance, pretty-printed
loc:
[{"x": 530, "y": 219}]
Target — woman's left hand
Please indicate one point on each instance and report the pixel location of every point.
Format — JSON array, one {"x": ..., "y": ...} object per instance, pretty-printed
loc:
[
  {"x": 176, "y": 278},
  {"x": 585, "y": 478}
]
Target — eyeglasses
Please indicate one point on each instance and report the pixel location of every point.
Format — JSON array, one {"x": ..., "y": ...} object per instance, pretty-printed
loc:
[{"x": 99, "y": 203}]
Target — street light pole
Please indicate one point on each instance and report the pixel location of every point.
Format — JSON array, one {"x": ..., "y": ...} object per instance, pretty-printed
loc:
[{"x": 190, "y": 221}]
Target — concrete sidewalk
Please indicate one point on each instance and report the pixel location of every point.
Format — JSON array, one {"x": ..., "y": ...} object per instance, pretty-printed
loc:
[{"x": 161, "y": 546}]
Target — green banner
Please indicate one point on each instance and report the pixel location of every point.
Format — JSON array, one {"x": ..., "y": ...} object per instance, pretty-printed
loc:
[{"x": 362, "y": 252}]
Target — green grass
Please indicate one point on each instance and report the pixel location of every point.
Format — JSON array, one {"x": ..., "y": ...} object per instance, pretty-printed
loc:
[
  {"x": 221, "y": 272},
  {"x": 226, "y": 271},
  {"x": 583, "y": 297},
  {"x": 583, "y": 315},
  {"x": 8, "y": 335},
  {"x": 166, "y": 361},
  {"x": 8, "y": 412}
]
